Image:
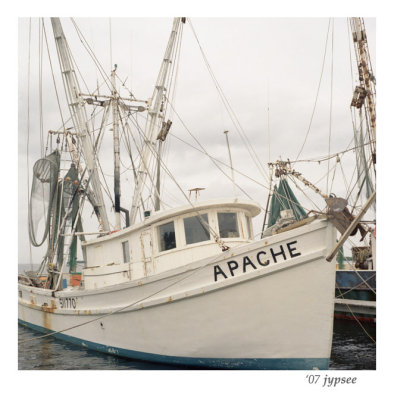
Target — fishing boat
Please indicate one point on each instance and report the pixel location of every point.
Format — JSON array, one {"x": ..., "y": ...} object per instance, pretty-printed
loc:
[{"x": 189, "y": 285}]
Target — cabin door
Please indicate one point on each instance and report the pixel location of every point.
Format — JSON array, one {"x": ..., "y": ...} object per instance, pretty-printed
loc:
[{"x": 146, "y": 248}]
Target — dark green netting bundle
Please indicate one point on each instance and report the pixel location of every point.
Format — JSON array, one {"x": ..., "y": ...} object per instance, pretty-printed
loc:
[
  {"x": 283, "y": 198},
  {"x": 68, "y": 204}
]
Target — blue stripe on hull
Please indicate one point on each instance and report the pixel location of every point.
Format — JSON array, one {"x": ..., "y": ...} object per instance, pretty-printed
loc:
[{"x": 215, "y": 363}]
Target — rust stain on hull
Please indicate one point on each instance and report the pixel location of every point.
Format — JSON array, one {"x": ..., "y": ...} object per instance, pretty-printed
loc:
[
  {"x": 47, "y": 312},
  {"x": 50, "y": 308},
  {"x": 46, "y": 320}
]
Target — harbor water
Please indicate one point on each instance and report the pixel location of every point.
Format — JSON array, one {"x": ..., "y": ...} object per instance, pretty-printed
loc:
[{"x": 352, "y": 349}]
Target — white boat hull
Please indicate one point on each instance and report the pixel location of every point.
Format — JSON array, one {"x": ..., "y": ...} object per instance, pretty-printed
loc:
[{"x": 229, "y": 311}]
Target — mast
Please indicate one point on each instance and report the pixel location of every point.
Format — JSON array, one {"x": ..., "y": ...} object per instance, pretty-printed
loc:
[
  {"x": 79, "y": 118},
  {"x": 364, "y": 98},
  {"x": 157, "y": 193},
  {"x": 154, "y": 114},
  {"x": 115, "y": 126},
  {"x": 366, "y": 77}
]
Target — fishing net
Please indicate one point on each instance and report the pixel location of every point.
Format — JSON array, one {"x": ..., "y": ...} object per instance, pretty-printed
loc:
[
  {"x": 283, "y": 198},
  {"x": 43, "y": 189},
  {"x": 69, "y": 205}
]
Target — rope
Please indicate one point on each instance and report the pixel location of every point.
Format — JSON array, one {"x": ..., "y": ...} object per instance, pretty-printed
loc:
[
  {"x": 53, "y": 77},
  {"x": 28, "y": 135},
  {"x": 206, "y": 153},
  {"x": 142, "y": 134},
  {"x": 333, "y": 176},
  {"x": 110, "y": 44},
  {"x": 165, "y": 168},
  {"x": 361, "y": 283},
  {"x": 331, "y": 89},
  {"x": 358, "y": 321},
  {"x": 358, "y": 274},
  {"x": 325, "y": 158},
  {"x": 292, "y": 178},
  {"x": 85, "y": 44},
  {"x": 230, "y": 111},
  {"x": 236, "y": 170},
  {"x": 40, "y": 59},
  {"x": 127, "y": 306},
  {"x": 317, "y": 93}
]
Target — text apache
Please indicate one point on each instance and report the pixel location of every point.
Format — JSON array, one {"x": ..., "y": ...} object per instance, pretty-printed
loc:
[{"x": 261, "y": 258}]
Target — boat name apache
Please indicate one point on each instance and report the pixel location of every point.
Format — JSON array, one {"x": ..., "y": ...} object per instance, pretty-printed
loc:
[{"x": 276, "y": 254}]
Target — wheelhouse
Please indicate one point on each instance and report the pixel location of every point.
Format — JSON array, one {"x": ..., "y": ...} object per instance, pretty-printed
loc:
[{"x": 169, "y": 239}]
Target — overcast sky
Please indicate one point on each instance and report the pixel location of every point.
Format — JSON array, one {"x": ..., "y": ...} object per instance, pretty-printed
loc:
[{"x": 260, "y": 64}]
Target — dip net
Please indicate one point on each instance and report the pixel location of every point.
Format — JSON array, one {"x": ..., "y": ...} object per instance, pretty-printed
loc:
[{"x": 43, "y": 190}]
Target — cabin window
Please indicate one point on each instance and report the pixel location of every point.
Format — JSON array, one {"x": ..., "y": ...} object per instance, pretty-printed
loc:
[
  {"x": 228, "y": 225},
  {"x": 126, "y": 251},
  {"x": 167, "y": 236},
  {"x": 196, "y": 229}
]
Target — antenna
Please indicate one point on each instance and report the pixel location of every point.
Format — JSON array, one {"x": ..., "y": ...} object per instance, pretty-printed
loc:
[
  {"x": 196, "y": 192},
  {"x": 231, "y": 163}
]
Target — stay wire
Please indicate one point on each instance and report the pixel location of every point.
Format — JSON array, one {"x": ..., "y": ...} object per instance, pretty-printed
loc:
[
  {"x": 230, "y": 111},
  {"x": 193, "y": 272},
  {"x": 317, "y": 93},
  {"x": 53, "y": 78},
  {"x": 28, "y": 134},
  {"x": 325, "y": 158},
  {"x": 357, "y": 320},
  {"x": 331, "y": 93},
  {"x": 205, "y": 152},
  {"x": 166, "y": 170},
  {"x": 40, "y": 60}
]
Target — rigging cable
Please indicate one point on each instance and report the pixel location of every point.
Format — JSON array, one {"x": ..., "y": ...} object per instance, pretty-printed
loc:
[
  {"x": 358, "y": 321},
  {"x": 28, "y": 134},
  {"x": 188, "y": 275},
  {"x": 205, "y": 152},
  {"x": 165, "y": 168},
  {"x": 53, "y": 77},
  {"x": 105, "y": 76},
  {"x": 174, "y": 78},
  {"x": 292, "y": 178},
  {"x": 110, "y": 44},
  {"x": 215, "y": 160},
  {"x": 40, "y": 59},
  {"x": 325, "y": 158},
  {"x": 231, "y": 113},
  {"x": 318, "y": 90},
  {"x": 331, "y": 90}
]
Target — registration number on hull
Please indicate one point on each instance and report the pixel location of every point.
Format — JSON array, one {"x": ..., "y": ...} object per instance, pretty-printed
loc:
[{"x": 68, "y": 302}]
